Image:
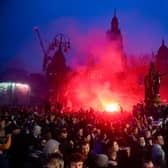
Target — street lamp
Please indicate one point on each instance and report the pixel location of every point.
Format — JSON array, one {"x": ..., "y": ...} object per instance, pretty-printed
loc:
[{"x": 60, "y": 41}]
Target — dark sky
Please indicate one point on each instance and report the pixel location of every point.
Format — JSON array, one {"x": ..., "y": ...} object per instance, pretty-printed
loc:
[{"x": 143, "y": 24}]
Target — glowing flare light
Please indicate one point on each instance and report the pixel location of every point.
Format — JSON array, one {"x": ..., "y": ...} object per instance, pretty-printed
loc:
[{"x": 113, "y": 107}]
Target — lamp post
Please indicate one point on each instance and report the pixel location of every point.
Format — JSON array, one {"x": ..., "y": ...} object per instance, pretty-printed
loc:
[
  {"x": 60, "y": 41},
  {"x": 54, "y": 66}
]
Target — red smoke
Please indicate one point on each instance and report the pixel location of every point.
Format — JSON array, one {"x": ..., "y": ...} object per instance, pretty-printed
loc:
[
  {"x": 99, "y": 78},
  {"x": 103, "y": 80}
]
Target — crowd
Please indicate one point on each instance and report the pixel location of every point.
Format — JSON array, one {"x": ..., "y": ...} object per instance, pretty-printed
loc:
[{"x": 35, "y": 138}]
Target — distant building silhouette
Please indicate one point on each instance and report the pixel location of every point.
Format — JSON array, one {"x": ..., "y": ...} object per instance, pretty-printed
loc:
[
  {"x": 115, "y": 37},
  {"x": 57, "y": 65},
  {"x": 56, "y": 72},
  {"x": 162, "y": 58}
]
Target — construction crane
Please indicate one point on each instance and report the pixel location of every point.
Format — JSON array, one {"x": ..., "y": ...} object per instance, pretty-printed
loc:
[{"x": 45, "y": 52}]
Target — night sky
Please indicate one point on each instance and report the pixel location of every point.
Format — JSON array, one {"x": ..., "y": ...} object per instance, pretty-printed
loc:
[{"x": 144, "y": 23}]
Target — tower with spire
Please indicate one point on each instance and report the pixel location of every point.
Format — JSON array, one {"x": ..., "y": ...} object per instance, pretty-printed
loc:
[
  {"x": 114, "y": 33},
  {"x": 115, "y": 37},
  {"x": 162, "y": 58}
]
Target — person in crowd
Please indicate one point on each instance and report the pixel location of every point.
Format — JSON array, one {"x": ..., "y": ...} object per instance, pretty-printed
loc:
[
  {"x": 19, "y": 150},
  {"x": 54, "y": 161},
  {"x": 119, "y": 157},
  {"x": 158, "y": 154},
  {"x": 51, "y": 146},
  {"x": 101, "y": 161},
  {"x": 134, "y": 135},
  {"x": 140, "y": 152},
  {"x": 5, "y": 143},
  {"x": 148, "y": 164},
  {"x": 78, "y": 137},
  {"x": 66, "y": 145},
  {"x": 148, "y": 134},
  {"x": 76, "y": 160},
  {"x": 86, "y": 152}
]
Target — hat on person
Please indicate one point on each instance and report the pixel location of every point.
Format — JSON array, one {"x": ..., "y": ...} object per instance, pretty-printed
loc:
[
  {"x": 51, "y": 146},
  {"x": 101, "y": 160}
]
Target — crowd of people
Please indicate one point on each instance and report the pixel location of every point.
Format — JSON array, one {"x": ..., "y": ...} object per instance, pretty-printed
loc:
[{"x": 35, "y": 138}]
